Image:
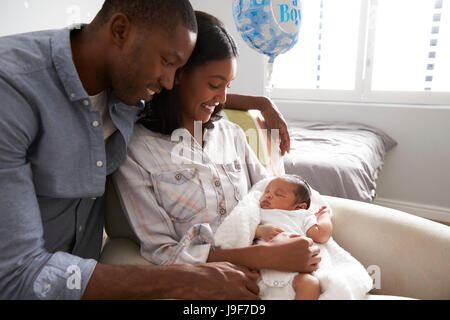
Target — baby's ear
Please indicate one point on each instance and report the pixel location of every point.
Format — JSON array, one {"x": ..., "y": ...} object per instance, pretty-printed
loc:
[{"x": 301, "y": 205}]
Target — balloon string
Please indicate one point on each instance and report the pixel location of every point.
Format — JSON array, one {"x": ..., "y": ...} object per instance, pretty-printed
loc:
[{"x": 269, "y": 85}]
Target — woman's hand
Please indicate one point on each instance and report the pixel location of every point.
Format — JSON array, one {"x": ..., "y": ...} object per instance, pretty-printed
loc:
[
  {"x": 267, "y": 233},
  {"x": 293, "y": 254},
  {"x": 275, "y": 120}
]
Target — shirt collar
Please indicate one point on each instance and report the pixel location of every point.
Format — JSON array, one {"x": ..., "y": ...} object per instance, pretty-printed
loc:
[
  {"x": 65, "y": 68},
  {"x": 62, "y": 59}
]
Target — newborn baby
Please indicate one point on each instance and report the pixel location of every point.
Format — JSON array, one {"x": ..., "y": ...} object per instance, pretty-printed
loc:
[
  {"x": 284, "y": 213},
  {"x": 282, "y": 207}
]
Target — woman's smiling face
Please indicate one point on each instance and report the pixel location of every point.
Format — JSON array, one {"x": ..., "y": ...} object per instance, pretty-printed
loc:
[{"x": 204, "y": 87}]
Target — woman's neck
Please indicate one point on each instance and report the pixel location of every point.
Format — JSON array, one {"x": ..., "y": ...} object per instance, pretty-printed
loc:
[{"x": 195, "y": 128}]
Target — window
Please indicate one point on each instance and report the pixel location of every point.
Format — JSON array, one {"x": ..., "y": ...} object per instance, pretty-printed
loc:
[{"x": 392, "y": 51}]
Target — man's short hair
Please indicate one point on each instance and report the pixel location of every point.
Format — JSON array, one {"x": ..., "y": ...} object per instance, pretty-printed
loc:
[{"x": 163, "y": 13}]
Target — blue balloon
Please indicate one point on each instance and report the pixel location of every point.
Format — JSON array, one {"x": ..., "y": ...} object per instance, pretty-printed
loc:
[{"x": 269, "y": 26}]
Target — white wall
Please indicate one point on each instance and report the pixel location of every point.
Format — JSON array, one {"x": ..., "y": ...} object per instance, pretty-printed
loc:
[
  {"x": 17, "y": 16},
  {"x": 250, "y": 74},
  {"x": 416, "y": 175}
]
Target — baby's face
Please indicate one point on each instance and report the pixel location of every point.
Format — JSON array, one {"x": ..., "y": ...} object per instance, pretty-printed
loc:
[{"x": 279, "y": 194}]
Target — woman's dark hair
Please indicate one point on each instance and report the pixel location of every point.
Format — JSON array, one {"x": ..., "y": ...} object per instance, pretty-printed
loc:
[{"x": 163, "y": 114}]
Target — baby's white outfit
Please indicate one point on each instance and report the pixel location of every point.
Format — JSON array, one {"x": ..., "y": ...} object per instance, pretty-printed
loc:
[{"x": 273, "y": 284}]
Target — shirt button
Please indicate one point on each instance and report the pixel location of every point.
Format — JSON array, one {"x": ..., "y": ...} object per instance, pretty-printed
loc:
[
  {"x": 217, "y": 183},
  {"x": 178, "y": 176},
  {"x": 99, "y": 164},
  {"x": 222, "y": 211},
  {"x": 95, "y": 124},
  {"x": 80, "y": 228},
  {"x": 72, "y": 95},
  {"x": 86, "y": 102}
]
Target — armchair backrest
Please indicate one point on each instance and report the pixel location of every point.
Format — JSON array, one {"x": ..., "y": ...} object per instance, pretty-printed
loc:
[{"x": 264, "y": 142}]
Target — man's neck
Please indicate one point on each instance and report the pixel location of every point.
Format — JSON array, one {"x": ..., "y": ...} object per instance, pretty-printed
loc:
[{"x": 87, "y": 58}]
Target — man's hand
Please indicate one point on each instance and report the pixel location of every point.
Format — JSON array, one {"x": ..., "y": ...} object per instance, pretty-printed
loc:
[
  {"x": 275, "y": 120},
  {"x": 293, "y": 253},
  {"x": 218, "y": 280}
]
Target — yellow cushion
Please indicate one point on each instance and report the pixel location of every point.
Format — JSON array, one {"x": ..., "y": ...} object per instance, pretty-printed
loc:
[{"x": 256, "y": 132}]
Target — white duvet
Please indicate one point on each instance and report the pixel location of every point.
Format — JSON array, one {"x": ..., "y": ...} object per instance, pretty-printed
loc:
[{"x": 340, "y": 275}]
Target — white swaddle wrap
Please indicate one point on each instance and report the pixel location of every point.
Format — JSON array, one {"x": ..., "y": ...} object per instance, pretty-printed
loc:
[{"x": 340, "y": 275}]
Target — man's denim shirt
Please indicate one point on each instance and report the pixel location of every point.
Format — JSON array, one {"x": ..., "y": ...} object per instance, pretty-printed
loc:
[{"x": 53, "y": 168}]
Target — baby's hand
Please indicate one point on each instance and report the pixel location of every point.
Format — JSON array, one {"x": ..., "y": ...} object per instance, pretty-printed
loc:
[
  {"x": 322, "y": 210},
  {"x": 267, "y": 233}
]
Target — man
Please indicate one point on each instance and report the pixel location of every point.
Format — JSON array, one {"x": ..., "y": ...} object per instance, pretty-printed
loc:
[{"x": 69, "y": 100}]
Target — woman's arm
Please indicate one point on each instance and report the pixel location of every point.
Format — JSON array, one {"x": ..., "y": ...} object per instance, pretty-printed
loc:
[
  {"x": 272, "y": 116},
  {"x": 154, "y": 228},
  {"x": 297, "y": 254}
]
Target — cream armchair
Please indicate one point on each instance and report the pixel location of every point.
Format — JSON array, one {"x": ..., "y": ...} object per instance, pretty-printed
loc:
[{"x": 407, "y": 256}]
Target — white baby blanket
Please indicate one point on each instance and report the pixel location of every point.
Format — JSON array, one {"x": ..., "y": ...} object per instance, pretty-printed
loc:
[{"x": 341, "y": 276}]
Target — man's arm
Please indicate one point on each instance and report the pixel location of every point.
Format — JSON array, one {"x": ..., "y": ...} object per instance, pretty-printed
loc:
[
  {"x": 272, "y": 116},
  {"x": 182, "y": 281},
  {"x": 27, "y": 270}
]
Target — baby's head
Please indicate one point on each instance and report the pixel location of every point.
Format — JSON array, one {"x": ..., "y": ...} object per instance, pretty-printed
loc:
[{"x": 288, "y": 192}]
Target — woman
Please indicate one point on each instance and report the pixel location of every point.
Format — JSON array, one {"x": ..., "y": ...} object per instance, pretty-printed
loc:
[{"x": 187, "y": 169}]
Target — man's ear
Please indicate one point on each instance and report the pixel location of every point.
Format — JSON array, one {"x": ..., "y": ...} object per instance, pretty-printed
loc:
[
  {"x": 301, "y": 205},
  {"x": 120, "y": 28}
]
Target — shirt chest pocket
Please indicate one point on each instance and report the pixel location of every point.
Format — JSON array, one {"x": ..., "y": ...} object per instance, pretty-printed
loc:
[
  {"x": 237, "y": 175},
  {"x": 180, "y": 193}
]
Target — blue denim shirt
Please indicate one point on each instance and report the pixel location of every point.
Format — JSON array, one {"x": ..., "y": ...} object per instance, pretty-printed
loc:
[{"x": 53, "y": 168}]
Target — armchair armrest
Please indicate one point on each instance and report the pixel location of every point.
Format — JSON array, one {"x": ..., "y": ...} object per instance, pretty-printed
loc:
[
  {"x": 122, "y": 251},
  {"x": 408, "y": 254}
]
